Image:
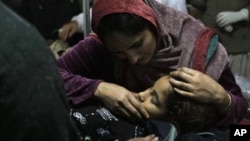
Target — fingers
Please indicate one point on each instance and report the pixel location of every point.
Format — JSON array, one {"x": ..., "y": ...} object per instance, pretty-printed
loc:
[
  {"x": 68, "y": 30},
  {"x": 133, "y": 109},
  {"x": 220, "y": 20},
  {"x": 181, "y": 87},
  {"x": 123, "y": 111},
  {"x": 147, "y": 138},
  {"x": 151, "y": 138},
  {"x": 63, "y": 33},
  {"x": 195, "y": 85},
  {"x": 187, "y": 70},
  {"x": 227, "y": 18},
  {"x": 130, "y": 110},
  {"x": 139, "y": 110},
  {"x": 122, "y": 102},
  {"x": 182, "y": 81},
  {"x": 183, "y": 74}
]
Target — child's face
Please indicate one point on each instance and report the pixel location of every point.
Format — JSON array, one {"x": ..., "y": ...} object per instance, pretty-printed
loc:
[{"x": 154, "y": 99}]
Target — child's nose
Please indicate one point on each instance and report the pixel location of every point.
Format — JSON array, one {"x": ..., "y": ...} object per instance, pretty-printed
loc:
[{"x": 140, "y": 97}]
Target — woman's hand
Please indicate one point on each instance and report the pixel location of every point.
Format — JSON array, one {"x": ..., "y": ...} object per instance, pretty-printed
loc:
[
  {"x": 68, "y": 30},
  {"x": 200, "y": 87},
  {"x": 120, "y": 100}
]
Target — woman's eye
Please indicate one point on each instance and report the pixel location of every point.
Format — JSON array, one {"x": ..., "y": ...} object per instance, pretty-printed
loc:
[{"x": 137, "y": 44}]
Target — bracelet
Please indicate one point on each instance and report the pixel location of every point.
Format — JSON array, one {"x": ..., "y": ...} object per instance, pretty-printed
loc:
[{"x": 228, "y": 104}]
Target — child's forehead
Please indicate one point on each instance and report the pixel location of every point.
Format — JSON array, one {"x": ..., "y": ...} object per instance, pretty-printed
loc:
[
  {"x": 163, "y": 80},
  {"x": 163, "y": 84}
]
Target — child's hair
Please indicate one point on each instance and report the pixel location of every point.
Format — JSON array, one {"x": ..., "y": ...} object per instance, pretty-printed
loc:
[{"x": 189, "y": 115}]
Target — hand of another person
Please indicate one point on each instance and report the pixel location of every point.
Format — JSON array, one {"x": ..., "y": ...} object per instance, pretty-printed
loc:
[
  {"x": 198, "y": 86},
  {"x": 230, "y": 17},
  {"x": 120, "y": 100},
  {"x": 147, "y": 138},
  {"x": 67, "y": 30}
]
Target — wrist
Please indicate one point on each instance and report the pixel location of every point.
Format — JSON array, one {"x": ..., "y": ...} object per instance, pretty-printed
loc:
[
  {"x": 98, "y": 90},
  {"x": 229, "y": 102},
  {"x": 225, "y": 105},
  {"x": 102, "y": 88},
  {"x": 245, "y": 13}
]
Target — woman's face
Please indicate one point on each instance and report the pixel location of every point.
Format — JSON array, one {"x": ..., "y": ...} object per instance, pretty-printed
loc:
[
  {"x": 154, "y": 99},
  {"x": 137, "y": 49}
]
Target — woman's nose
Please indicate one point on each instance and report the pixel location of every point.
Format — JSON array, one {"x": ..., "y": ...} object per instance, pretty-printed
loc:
[{"x": 132, "y": 57}]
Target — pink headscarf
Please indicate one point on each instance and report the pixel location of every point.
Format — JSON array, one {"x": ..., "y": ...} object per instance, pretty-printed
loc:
[{"x": 102, "y": 8}]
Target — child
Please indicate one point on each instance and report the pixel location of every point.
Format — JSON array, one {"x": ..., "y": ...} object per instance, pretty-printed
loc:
[{"x": 161, "y": 102}]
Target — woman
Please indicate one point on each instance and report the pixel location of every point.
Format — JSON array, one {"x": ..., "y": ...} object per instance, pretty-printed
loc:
[
  {"x": 98, "y": 123},
  {"x": 134, "y": 44}
]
